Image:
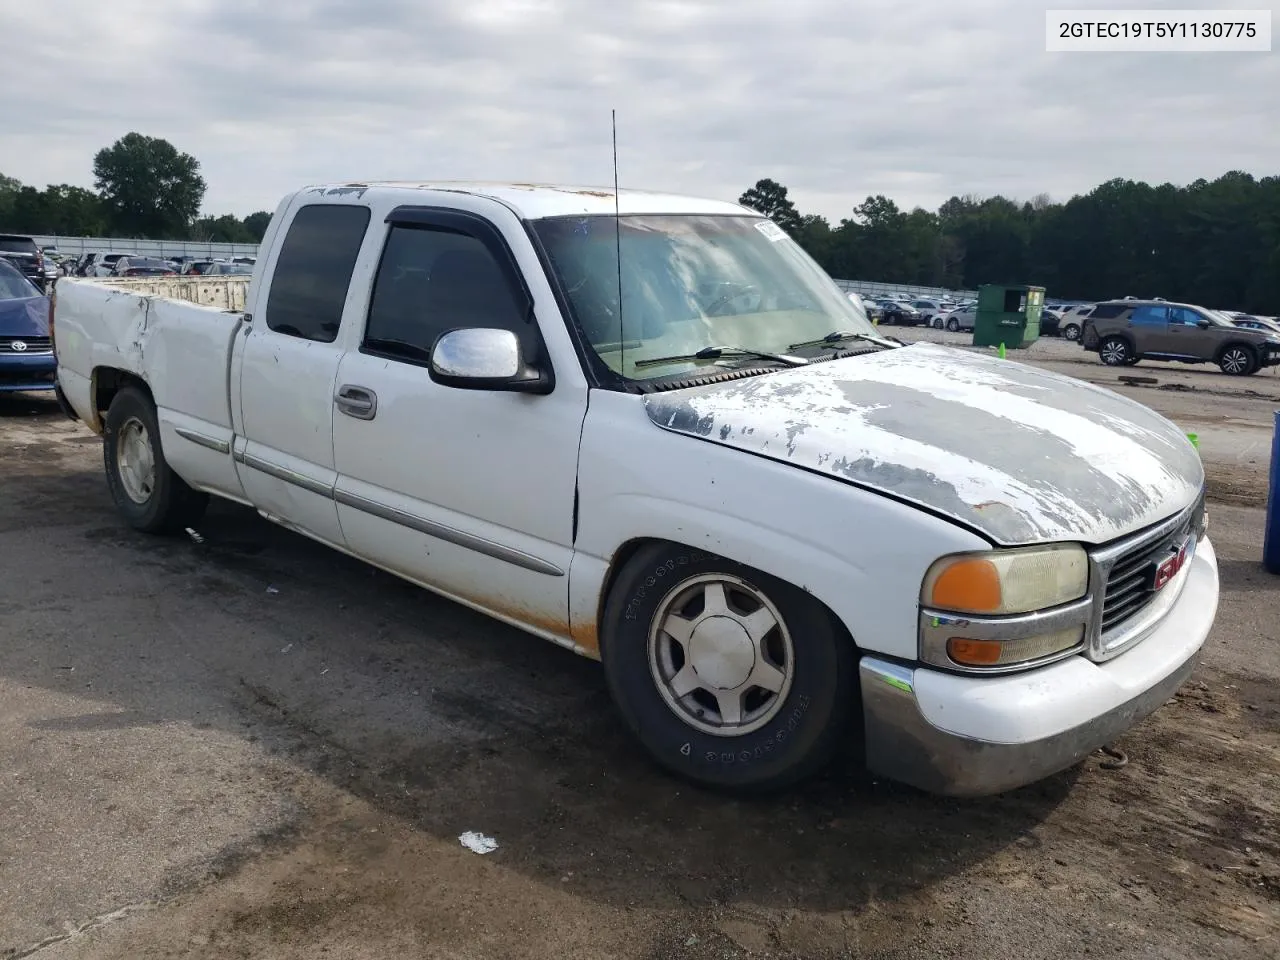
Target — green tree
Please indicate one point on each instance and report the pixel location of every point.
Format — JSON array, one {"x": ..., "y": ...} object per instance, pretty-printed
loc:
[
  {"x": 224, "y": 229},
  {"x": 770, "y": 198},
  {"x": 256, "y": 224},
  {"x": 148, "y": 188}
]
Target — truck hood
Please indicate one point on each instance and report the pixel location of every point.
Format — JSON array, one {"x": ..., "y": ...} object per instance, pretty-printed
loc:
[{"x": 1016, "y": 453}]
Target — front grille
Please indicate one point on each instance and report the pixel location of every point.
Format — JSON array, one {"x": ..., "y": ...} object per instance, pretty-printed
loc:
[
  {"x": 1128, "y": 581},
  {"x": 34, "y": 345}
]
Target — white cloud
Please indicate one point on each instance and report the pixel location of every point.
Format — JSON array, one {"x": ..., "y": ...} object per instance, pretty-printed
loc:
[{"x": 917, "y": 99}]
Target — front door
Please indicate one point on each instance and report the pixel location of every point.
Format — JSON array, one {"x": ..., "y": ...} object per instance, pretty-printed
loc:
[
  {"x": 469, "y": 492},
  {"x": 288, "y": 365}
]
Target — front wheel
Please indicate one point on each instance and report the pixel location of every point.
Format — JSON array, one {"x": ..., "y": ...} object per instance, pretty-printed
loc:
[
  {"x": 150, "y": 496},
  {"x": 953, "y": 325},
  {"x": 1238, "y": 361},
  {"x": 728, "y": 676}
]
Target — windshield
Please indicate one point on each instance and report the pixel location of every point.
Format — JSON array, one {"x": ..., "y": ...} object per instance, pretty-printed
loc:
[
  {"x": 689, "y": 283},
  {"x": 14, "y": 286}
]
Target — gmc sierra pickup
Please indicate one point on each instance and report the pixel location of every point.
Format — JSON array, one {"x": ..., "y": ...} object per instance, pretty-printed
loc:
[{"x": 657, "y": 433}]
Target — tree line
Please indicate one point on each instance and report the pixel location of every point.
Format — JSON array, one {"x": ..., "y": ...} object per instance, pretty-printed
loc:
[
  {"x": 145, "y": 188},
  {"x": 1214, "y": 243}
]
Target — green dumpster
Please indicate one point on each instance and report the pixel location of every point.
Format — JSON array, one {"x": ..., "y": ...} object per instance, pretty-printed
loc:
[{"x": 1008, "y": 315}]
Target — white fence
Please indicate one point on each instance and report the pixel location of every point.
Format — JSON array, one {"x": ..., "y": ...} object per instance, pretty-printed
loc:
[{"x": 76, "y": 246}]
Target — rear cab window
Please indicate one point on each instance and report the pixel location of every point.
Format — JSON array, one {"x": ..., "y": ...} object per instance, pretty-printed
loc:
[{"x": 313, "y": 271}]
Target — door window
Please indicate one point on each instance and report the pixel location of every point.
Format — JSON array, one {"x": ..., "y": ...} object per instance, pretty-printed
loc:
[
  {"x": 313, "y": 272},
  {"x": 434, "y": 280},
  {"x": 1150, "y": 316},
  {"x": 1184, "y": 317}
]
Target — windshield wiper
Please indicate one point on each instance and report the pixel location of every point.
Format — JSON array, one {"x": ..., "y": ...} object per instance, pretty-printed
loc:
[
  {"x": 715, "y": 353},
  {"x": 831, "y": 339}
]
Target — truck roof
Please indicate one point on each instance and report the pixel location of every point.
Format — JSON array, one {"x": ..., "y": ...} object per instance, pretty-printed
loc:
[{"x": 533, "y": 201}]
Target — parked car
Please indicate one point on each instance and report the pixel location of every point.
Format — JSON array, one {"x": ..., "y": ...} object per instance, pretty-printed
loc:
[
  {"x": 961, "y": 318},
  {"x": 1050, "y": 322},
  {"x": 1072, "y": 321},
  {"x": 143, "y": 267},
  {"x": 196, "y": 268},
  {"x": 766, "y": 524},
  {"x": 25, "y": 254},
  {"x": 1257, "y": 323},
  {"x": 896, "y": 312},
  {"x": 235, "y": 270},
  {"x": 1124, "y": 332},
  {"x": 931, "y": 310},
  {"x": 102, "y": 265},
  {"x": 27, "y": 360}
]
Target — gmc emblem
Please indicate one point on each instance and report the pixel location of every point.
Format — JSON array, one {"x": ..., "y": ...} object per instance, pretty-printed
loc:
[{"x": 1162, "y": 573}]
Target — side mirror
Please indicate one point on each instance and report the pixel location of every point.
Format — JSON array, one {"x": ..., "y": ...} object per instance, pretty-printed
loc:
[
  {"x": 1203, "y": 324},
  {"x": 485, "y": 358}
]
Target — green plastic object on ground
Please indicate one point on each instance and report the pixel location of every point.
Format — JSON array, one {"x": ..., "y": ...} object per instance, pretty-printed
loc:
[{"x": 1008, "y": 315}]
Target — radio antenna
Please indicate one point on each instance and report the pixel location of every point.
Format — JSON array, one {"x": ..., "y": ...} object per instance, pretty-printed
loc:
[{"x": 617, "y": 242}]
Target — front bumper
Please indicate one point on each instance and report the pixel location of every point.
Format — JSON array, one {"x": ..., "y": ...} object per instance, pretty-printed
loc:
[
  {"x": 975, "y": 736},
  {"x": 19, "y": 372}
]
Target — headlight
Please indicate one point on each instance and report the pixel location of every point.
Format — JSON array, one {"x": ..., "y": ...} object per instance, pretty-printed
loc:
[
  {"x": 1004, "y": 610},
  {"x": 1002, "y": 582}
]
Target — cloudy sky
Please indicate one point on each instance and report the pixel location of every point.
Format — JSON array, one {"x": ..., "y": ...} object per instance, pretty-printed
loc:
[{"x": 916, "y": 99}]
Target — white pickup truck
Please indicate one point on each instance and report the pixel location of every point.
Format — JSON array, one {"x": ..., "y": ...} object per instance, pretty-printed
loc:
[{"x": 658, "y": 434}]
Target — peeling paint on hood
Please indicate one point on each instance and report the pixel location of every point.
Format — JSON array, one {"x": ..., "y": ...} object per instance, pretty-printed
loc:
[{"x": 1019, "y": 454}]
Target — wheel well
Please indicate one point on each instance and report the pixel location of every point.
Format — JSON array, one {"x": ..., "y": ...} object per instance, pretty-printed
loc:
[
  {"x": 622, "y": 556},
  {"x": 108, "y": 381}
]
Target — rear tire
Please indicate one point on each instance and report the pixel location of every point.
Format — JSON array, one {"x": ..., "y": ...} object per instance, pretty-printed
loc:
[
  {"x": 1115, "y": 352},
  {"x": 148, "y": 494},
  {"x": 729, "y": 677},
  {"x": 1238, "y": 360},
  {"x": 1071, "y": 331}
]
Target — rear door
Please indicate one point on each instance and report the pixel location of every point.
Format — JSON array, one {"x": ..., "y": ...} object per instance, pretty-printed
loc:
[
  {"x": 288, "y": 363},
  {"x": 1149, "y": 328}
]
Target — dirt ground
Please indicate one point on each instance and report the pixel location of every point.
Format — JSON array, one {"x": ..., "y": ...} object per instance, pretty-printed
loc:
[{"x": 242, "y": 744}]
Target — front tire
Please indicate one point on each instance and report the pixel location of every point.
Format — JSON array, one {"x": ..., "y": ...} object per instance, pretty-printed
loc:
[
  {"x": 1115, "y": 352},
  {"x": 148, "y": 494},
  {"x": 1238, "y": 361},
  {"x": 953, "y": 325},
  {"x": 729, "y": 677}
]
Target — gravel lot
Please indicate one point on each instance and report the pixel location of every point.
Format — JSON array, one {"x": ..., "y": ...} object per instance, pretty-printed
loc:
[{"x": 251, "y": 746}]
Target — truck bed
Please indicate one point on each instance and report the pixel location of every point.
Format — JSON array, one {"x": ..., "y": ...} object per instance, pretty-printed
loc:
[{"x": 174, "y": 335}]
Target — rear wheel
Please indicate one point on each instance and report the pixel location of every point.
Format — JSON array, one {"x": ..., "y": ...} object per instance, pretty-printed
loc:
[
  {"x": 1071, "y": 331},
  {"x": 729, "y": 677},
  {"x": 1238, "y": 361},
  {"x": 1115, "y": 352},
  {"x": 150, "y": 496}
]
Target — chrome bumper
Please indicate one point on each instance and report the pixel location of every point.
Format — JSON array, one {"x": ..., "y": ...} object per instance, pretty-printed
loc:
[{"x": 903, "y": 745}]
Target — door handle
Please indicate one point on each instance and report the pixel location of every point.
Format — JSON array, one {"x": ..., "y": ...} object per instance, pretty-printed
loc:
[{"x": 358, "y": 402}]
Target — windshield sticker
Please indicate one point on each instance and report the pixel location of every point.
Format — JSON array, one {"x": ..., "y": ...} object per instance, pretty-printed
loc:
[{"x": 771, "y": 230}]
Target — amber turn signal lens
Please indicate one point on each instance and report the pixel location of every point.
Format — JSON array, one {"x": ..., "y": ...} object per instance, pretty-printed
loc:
[
  {"x": 972, "y": 584},
  {"x": 974, "y": 653}
]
